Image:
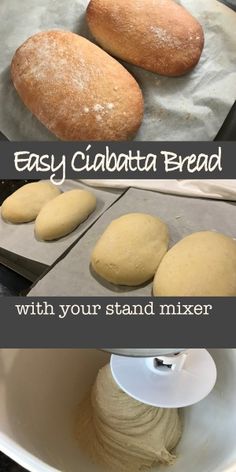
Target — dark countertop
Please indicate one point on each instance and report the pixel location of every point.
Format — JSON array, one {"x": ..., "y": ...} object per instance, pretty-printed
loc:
[
  {"x": 12, "y": 284},
  {"x": 230, "y": 3}
]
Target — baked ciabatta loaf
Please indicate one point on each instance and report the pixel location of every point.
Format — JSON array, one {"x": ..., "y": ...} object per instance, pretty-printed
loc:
[
  {"x": 157, "y": 35},
  {"x": 76, "y": 89}
]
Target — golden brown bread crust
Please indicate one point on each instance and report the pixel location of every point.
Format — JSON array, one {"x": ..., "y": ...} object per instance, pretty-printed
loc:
[
  {"x": 76, "y": 89},
  {"x": 157, "y": 35}
]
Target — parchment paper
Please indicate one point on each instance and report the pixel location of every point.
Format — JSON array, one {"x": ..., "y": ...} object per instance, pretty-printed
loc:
[
  {"x": 72, "y": 275},
  {"x": 192, "y": 107},
  {"x": 20, "y": 239}
]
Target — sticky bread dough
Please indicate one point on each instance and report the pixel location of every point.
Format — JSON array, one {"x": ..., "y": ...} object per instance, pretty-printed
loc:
[
  {"x": 130, "y": 249},
  {"x": 63, "y": 214},
  {"x": 26, "y": 202},
  {"x": 124, "y": 435},
  {"x": 201, "y": 264}
]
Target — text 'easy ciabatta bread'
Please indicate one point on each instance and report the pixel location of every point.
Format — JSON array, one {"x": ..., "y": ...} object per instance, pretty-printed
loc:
[
  {"x": 157, "y": 35},
  {"x": 76, "y": 89}
]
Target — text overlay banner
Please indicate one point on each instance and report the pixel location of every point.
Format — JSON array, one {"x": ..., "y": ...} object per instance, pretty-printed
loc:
[{"x": 117, "y": 322}]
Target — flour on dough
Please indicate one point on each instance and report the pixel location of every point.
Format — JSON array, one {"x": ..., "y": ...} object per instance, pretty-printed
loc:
[
  {"x": 121, "y": 433},
  {"x": 26, "y": 202}
]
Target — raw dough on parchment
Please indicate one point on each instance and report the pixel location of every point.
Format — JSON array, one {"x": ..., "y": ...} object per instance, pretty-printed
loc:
[{"x": 201, "y": 264}]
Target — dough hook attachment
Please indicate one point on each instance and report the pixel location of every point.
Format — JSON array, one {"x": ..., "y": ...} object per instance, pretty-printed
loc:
[{"x": 167, "y": 378}]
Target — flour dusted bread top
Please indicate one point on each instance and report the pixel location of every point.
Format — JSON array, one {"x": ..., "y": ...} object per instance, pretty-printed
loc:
[
  {"x": 157, "y": 35},
  {"x": 130, "y": 249},
  {"x": 63, "y": 214},
  {"x": 76, "y": 89}
]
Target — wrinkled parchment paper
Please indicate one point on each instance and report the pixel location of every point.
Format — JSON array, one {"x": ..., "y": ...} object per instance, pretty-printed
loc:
[
  {"x": 192, "y": 107},
  {"x": 73, "y": 276},
  {"x": 20, "y": 239}
]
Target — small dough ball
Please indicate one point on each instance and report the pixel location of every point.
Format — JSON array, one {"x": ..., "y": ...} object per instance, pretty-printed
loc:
[
  {"x": 202, "y": 264},
  {"x": 63, "y": 214},
  {"x": 26, "y": 202},
  {"x": 130, "y": 249}
]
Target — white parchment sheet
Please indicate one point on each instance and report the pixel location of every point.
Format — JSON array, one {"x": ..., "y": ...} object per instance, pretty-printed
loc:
[
  {"x": 20, "y": 239},
  {"x": 192, "y": 107},
  {"x": 72, "y": 276}
]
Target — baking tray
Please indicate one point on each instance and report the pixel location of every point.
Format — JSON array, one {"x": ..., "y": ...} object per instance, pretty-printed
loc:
[
  {"x": 19, "y": 240},
  {"x": 72, "y": 276}
]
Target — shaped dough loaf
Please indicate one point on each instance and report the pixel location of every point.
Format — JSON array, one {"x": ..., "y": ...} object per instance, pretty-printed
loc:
[
  {"x": 202, "y": 264},
  {"x": 63, "y": 214},
  {"x": 122, "y": 433},
  {"x": 130, "y": 249},
  {"x": 26, "y": 202}
]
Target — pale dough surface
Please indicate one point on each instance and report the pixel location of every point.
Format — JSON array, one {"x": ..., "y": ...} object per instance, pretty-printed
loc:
[
  {"x": 201, "y": 264},
  {"x": 122, "y": 434},
  {"x": 26, "y": 202},
  {"x": 130, "y": 249},
  {"x": 77, "y": 90},
  {"x": 159, "y": 36},
  {"x": 63, "y": 214}
]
